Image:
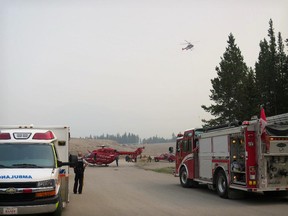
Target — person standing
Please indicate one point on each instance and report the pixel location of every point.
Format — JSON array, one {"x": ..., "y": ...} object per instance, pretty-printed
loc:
[
  {"x": 79, "y": 174},
  {"x": 116, "y": 158}
]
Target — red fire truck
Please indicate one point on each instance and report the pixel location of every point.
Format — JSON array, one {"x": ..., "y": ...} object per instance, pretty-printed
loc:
[{"x": 246, "y": 156}]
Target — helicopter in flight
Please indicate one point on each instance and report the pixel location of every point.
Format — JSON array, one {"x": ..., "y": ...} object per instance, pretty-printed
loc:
[
  {"x": 189, "y": 46},
  {"x": 105, "y": 156}
]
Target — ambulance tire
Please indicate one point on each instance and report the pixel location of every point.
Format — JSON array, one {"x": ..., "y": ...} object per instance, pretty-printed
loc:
[
  {"x": 222, "y": 184},
  {"x": 58, "y": 211}
]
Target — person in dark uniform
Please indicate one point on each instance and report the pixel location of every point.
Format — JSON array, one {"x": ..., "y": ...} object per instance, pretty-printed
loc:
[
  {"x": 79, "y": 174},
  {"x": 116, "y": 158}
]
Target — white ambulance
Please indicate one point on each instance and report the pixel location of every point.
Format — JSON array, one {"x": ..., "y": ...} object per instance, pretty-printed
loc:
[{"x": 34, "y": 169}]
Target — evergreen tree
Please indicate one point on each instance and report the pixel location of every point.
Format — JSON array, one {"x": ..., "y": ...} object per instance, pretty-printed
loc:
[
  {"x": 229, "y": 87},
  {"x": 262, "y": 74},
  {"x": 250, "y": 100},
  {"x": 282, "y": 81},
  {"x": 271, "y": 74},
  {"x": 267, "y": 83}
]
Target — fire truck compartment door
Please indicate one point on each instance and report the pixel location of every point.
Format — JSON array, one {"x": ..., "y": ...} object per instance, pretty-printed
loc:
[{"x": 205, "y": 158}]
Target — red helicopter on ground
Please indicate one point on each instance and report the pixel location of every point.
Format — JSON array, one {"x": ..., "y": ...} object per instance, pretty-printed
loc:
[{"x": 105, "y": 156}]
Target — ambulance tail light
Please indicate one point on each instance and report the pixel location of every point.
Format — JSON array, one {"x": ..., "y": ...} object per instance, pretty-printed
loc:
[
  {"x": 43, "y": 136},
  {"x": 5, "y": 136}
]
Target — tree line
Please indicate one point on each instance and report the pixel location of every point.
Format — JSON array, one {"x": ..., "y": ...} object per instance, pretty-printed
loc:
[
  {"x": 130, "y": 138},
  {"x": 239, "y": 91}
]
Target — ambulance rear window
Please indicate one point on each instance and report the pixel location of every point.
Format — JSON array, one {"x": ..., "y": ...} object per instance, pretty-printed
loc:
[{"x": 23, "y": 155}]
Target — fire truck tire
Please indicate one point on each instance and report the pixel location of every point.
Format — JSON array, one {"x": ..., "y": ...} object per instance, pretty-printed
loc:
[
  {"x": 222, "y": 184},
  {"x": 156, "y": 159},
  {"x": 185, "y": 182}
]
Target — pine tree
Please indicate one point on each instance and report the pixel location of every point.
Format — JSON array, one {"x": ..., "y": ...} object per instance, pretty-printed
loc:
[
  {"x": 229, "y": 87},
  {"x": 262, "y": 74},
  {"x": 282, "y": 75},
  {"x": 250, "y": 102},
  {"x": 271, "y": 74}
]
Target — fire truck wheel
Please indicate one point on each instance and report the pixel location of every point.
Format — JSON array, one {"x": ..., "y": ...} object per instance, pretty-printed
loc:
[
  {"x": 222, "y": 184},
  {"x": 156, "y": 160},
  {"x": 185, "y": 182}
]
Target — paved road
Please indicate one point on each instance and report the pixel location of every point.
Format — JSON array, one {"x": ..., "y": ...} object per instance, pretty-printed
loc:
[{"x": 127, "y": 190}]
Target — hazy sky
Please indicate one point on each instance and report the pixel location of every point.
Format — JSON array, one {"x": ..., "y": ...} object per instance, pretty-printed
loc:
[{"x": 116, "y": 66}]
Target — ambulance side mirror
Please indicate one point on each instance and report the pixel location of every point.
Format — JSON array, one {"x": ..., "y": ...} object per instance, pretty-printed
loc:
[{"x": 72, "y": 161}]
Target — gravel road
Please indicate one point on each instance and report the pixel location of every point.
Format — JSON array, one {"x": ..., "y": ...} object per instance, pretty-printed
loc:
[{"x": 129, "y": 190}]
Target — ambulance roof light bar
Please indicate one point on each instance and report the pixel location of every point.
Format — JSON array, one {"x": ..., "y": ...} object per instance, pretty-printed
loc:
[
  {"x": 37, "y": 136},
  {"x": 5, "y": 136},
  {"x": 43, "y": 136}
]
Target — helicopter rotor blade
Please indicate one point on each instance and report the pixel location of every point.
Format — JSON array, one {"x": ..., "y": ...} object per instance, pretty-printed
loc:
[{"x": 187, "y": 42}]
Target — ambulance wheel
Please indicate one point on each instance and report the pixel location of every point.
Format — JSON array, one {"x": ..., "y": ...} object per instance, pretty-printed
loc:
[
  {"x": 58, "y": 211},
  {"x": 185, "y": 182},
  {"x": 222, "y": 184}
]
